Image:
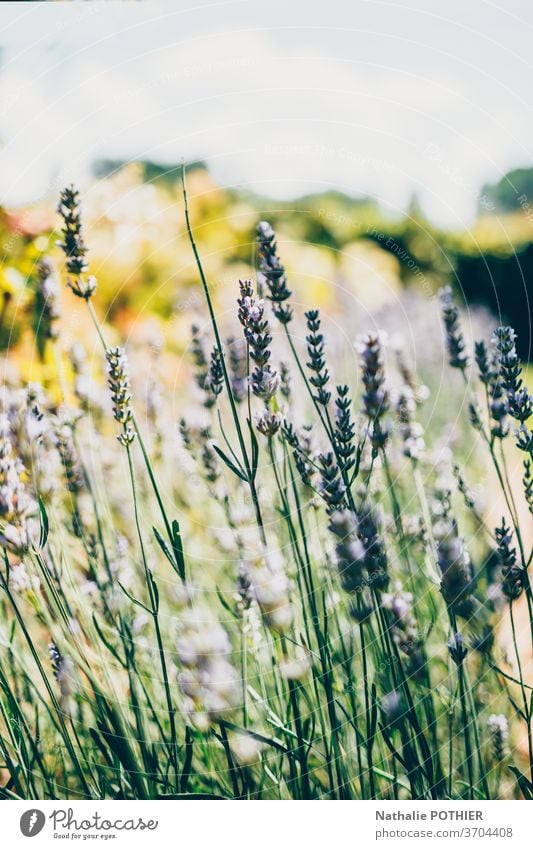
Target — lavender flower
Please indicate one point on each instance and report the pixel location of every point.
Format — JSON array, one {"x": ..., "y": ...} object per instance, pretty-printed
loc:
[
  {"x": 498, "y": 728},
  {"x": 463, "y": 488},
  {"x": 47, "y": 305},
  {"x": 457, "y": 649},
  {"x": 498, "y": 411},
  {"x": 454, "y": 564},
  {"x": 519, "y": 399},
  {"x": 272, "y": 272},
  {"x": 251, "y": 314},
  {"x": 485, "y": 370},
  {"x": 375, "y": 396},
  {"x": 208, "y": 679},
  {"x": 186, "y": 435},
  {"x": 301, "y": 445},
  {"x": 419, "y": 391},
  {"x": 119, "y": 384},
  {"x": 63, "y": 670},
  {"x": 474, "y": 415},
  {"x": 361, "y": 557},
  {"x": 513, "y": 578},
  {"x": 69, "y": 458},
  {"x": 489, "y": 374},
  {"x": 73, "y": 245},
  {"x": 208, "y": 375},
  {"x": 350, "y": 551},
  {"x": 344, "y": 433},
  {"x": 264, "y": 380},
  {"x": 331, "y": 488},
  {"x": 519, "y": 402},
  {"x": 238, "y": 368},
  {"x": 524, "y": 439},
  {"x": 264, "y": 383},
  {"x": 216, "y": 374},
  {"x": 317, "y": 363},
  {"x": 393, "y": 709},
  {"x": 268, "y": 423},
  {"x": 368, "y": 522},
  {"x": 15, "y": 503},
  {"x": 410, "y": 430},
  {"x": 403, "y": 625},
  {"x": 285, "y": 381},
  {"x": 209, "y": 457},
  {"x": 199, "y": 356},
  {"x": 455, "y": 342},
  {"x": 269, "y": 586},
  {"x": 86, "y": 390}
]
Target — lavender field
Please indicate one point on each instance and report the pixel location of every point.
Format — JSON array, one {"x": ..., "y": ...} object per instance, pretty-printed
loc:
[{"x": 266, "y": 538}]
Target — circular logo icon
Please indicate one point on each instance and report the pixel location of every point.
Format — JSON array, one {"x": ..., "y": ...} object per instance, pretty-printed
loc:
[{"x": 32, "y": 822}]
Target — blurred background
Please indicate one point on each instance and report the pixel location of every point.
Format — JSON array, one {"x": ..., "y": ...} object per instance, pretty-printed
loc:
[{"x": 389, "y": 144}]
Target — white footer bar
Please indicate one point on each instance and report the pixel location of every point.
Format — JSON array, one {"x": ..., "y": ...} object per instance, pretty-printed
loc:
[{"x": 203, "y": 824}]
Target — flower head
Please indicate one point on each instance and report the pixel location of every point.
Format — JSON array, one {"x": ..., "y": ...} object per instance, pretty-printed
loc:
[
  {"x": 269, "y": 587},
  {"x": 264, "y": 380},
  {"x": 119, "y": 384},
  {"x": 47, "y": 301},
  {"x": 208, "y": 679},
  {"x": 375, "y": 396},
  {"x": 454, "y": 336},
  {"x": 457, "y": 648},
  {"x": 272, "y": 272},
  {"x": 73, "y": 245},
  {"x": 498, "y": 728}
]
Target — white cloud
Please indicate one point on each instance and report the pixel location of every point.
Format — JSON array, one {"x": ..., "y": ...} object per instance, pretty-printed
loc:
[{"x": 272, "y": 110}]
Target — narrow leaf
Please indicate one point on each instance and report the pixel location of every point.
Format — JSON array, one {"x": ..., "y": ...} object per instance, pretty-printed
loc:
[
  {"x": 255, "y": 449},
  {"x": 526, "y": 787},
  {"x": 236, "y": 471},
  {"x": 135, "y": 600},
  {"x": 44, "y": 525},
  {"x": 164, "y": 547},
  {"x": 177, "y": 545}
]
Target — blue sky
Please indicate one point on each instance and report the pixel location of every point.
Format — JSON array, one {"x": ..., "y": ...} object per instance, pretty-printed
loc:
[{"x": 384, "y": 98}]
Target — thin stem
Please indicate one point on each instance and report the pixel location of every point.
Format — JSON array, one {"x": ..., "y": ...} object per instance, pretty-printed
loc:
[
  {"x": 154, "y": 605},
  {"x": 144, "y": 450},
  {"x": 238, "y": 429}
]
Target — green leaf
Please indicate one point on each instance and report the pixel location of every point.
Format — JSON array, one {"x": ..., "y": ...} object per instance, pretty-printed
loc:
[
  {"x": 101, "y": 745},
  {"x": 373, "y": 712},
  {"x": 106, "y": 642},
  {"x": 174, "y": 557},
  {"x": 255, "y": 449},
  {"x": 186, "y": 771},
  {"x": 44, "y": 524},
  {"x": 236, "y": 471},
  {"x": 261, "y": 738},
  {"x": 155, "y": 591},
  {"x": 177, "y": 545},
  {"x": 226, "y": 605},
  {"x": 164, "y": 547},
  {"x": 120, "y": 747},
  {"x": 510, "y": 677},
  {"x": 517, "y": 708},
  {"x": 525, "y": 785},
  {"x": 135, "y": 600}
]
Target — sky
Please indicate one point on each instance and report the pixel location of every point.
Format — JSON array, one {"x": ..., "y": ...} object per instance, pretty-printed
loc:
[{"x": 284, "y": 97}]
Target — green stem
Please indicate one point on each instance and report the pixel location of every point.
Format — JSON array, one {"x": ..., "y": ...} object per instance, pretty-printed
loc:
[
  {"x": 154, "y": 605},
  {"x": 238, "y": 429}
]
